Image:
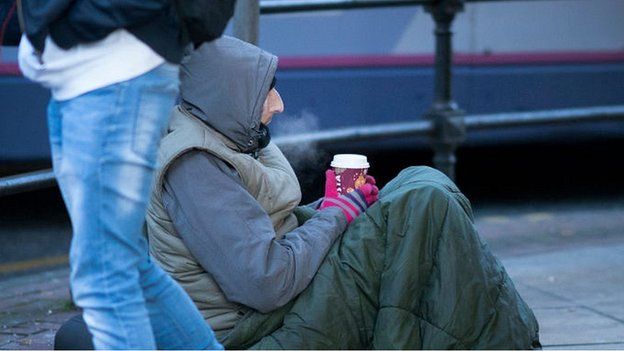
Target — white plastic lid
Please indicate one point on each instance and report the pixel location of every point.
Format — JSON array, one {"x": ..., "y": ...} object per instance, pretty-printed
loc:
[{"x": 349, "y": 161}]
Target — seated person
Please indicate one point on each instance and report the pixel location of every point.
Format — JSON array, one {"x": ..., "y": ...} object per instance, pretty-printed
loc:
[{"x": 409, "y": 272}]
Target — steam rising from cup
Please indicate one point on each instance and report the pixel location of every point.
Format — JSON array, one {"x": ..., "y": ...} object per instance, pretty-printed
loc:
[
  {"x": 306, "y": 158},
  {"x": 304, "y": 154}
]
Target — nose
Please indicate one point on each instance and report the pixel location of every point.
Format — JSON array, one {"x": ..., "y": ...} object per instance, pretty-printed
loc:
[{"x": 277, "y": 104}]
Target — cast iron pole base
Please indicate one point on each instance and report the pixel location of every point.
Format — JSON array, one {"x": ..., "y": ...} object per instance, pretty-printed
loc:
[{"x": 449, "y": 126}]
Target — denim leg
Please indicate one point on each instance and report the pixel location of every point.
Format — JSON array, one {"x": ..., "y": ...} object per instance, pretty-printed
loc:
[
  {"x": 55, "y": 127},
  {"x": 109, "y": 141},
  {"x": 176, "y": 322}
]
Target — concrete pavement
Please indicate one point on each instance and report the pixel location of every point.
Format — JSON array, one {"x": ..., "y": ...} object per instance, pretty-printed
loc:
[
  {"x": 32, "y": 308},
  {"x": 576, "y": 295}
]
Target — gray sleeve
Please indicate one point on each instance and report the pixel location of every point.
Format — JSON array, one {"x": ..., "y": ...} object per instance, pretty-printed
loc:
[
  {"x": 232, "y": 237},
  {"x": 314, "y": 204}
]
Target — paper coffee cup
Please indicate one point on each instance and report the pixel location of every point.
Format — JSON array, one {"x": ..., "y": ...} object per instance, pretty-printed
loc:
[{"x": 350, "y": 170}]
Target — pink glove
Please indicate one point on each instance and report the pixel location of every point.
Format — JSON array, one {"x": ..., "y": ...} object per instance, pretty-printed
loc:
[
  {"x": 353, "y": 203},
  {"x": 370, "y": 190}
]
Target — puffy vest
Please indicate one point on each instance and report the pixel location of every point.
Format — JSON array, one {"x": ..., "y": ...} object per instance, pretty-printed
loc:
[{"x": 269, "y": 179}]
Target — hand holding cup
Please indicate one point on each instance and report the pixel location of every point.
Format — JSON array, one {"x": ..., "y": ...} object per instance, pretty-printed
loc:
[{"x": 348, "y": 187}]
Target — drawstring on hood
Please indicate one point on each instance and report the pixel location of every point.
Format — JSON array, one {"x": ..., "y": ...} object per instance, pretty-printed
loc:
[
  {"x": 225, "y": 83},
  {"x": 265, "y": 136}
]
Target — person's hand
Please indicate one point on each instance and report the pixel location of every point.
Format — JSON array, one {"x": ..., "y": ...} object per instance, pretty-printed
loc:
[
  {"x": 370, "y": 190},
  {"x": 351, "y": 204},
  {"x": 331, "y": 189}
]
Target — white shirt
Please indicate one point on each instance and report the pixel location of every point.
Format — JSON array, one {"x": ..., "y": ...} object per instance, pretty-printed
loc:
[{"x": 87, "y": 67}]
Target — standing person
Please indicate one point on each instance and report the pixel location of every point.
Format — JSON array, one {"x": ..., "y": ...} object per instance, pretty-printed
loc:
[{"x": 112, "y": 67}]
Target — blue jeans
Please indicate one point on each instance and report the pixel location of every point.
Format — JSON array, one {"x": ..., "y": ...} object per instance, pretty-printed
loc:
[{"x": 104, "y": 150}]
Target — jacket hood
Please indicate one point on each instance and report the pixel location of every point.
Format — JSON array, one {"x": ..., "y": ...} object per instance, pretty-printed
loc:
[{"x": 225, "y": 83}]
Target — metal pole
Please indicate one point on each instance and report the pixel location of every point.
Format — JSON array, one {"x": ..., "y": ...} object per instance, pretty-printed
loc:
[
  {"x": 547, "y": 117},
  {"x": 45, "y": 178},
  {"x": 247, "y": 20},
  {"x": 27, "y": 182},
  {"x": 285, "y": 6},
  {"x": 362, "y": 133},
  {"x": 447, "y": 117}
]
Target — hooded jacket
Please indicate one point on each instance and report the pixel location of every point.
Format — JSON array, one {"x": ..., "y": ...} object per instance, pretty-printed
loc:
[
  {"x": 221, "y": 219},
  {"x": 225, "y": 84}
]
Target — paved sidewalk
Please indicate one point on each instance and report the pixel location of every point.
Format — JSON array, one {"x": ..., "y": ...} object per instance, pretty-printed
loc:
[
  {"x": 575, "y": 294},
  {"x": 567, "y": 261},
  {"x": 33, "y": 308}
]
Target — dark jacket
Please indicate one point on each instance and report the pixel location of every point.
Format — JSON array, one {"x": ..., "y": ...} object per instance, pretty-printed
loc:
[{"x": 155, "y": 22}]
